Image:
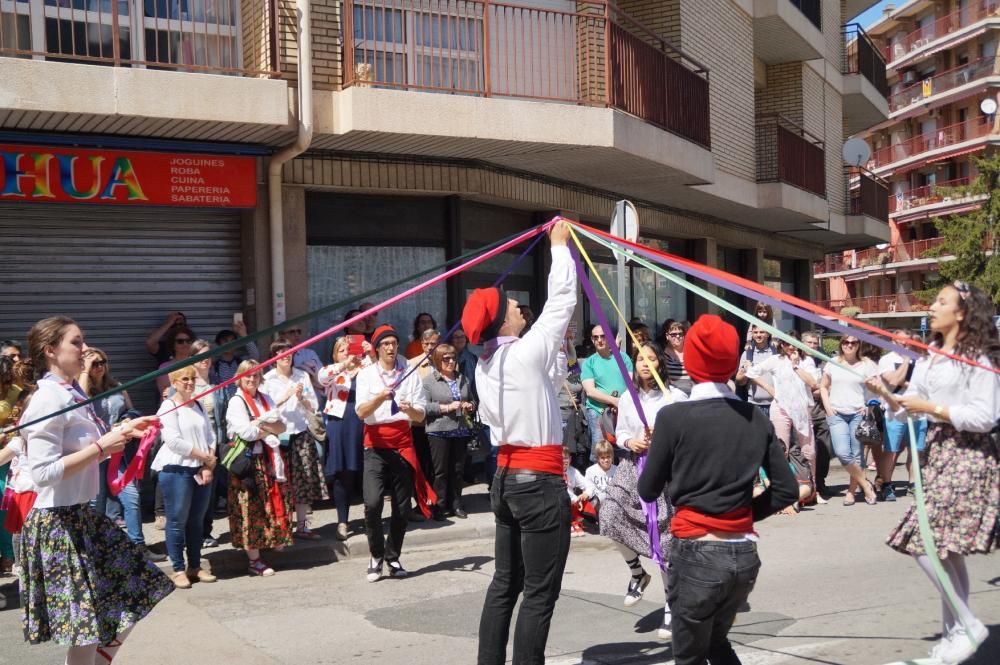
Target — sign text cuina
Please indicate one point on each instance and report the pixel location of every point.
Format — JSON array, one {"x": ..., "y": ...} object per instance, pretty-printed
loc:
[{"x": 77, "y": 175}]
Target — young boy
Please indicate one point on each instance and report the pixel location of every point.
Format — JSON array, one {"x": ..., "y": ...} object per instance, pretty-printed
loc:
[
  {"x": 580, "y": 491},
  {"x": 600, "y": 475}
]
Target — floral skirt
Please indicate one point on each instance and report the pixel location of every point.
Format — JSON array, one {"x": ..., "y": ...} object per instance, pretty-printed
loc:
[
  {"x": 83, "y": 581},
  {"x": 260, "y": 516},
  {"x": 621, "y": 516},
  {"x": 962, "y": 489},
  {"x": 308, "y": 484}
]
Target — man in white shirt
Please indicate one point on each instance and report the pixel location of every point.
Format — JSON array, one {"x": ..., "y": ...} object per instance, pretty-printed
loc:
[
  {"x": 518, "y": 402},
  {"x": 386, "y": 402}
]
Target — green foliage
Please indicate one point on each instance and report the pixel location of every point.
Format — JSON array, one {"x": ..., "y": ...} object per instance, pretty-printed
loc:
[
  {"x": 830, "y": 345},
  {"x": 972, "y": 239}
]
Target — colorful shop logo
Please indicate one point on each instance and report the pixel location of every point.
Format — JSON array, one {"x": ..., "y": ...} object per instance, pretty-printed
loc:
[{"x": 67, "y": 177}]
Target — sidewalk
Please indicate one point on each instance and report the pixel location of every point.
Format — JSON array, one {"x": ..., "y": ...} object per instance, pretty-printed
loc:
[{"x": 227, "y": 562}]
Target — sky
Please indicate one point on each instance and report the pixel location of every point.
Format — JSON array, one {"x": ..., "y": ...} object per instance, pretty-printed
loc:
[{"x": 868, "y": 17}]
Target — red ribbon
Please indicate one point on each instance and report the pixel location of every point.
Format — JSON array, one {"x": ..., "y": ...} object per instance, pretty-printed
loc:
[{"x": 137, "y": 467}]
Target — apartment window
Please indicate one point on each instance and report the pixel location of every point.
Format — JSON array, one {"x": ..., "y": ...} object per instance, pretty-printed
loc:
[
  {"x": 414, "y": 47},
  {"x": 15, "y": 28},
  {"x": 192, "y": 32}
]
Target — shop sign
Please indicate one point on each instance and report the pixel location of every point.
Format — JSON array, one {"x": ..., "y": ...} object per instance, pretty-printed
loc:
[{"x": 78, "y": 175}]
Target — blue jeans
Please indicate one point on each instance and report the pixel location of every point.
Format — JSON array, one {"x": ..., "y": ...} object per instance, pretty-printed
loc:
[
  {"x": 129, "y": 499},
  {"x": 843, "y": 433},
  {"x": 106, "y": 503},
  {"x": 594, "y": 423},
  {"x": 185, "y": 503}
]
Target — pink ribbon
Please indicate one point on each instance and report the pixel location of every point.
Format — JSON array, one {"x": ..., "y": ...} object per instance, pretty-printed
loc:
[{"x": 137, "y": 467}]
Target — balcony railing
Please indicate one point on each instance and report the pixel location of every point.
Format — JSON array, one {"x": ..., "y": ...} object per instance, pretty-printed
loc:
[
  {"x": 943, "y": 26},
  {"x": 943, "y": 137},
  {"x": 867, "y": 194},
  {"x": 956, "y": 190},
  {"x": 913, "y": 250},
  {"x": 917, "y": 92},
  {"x": 595, "y": 56},
  {"x": 899, "y": 302},
  {"x": 787, "y": 153},
  {"x": 210, "y": 36},
  {"x": 811, "y": 10},
  {"x": 861, "y": 56}
]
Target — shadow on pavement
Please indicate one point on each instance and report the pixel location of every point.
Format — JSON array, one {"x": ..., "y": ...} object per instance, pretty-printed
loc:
[
  {"x": 469, "y": 564},
  {"x": 628, "y": 653}
]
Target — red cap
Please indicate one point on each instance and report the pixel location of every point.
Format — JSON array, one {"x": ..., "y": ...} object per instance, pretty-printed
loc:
[
  {"x": 484, "y": 314},
  {"x": 381, "y": 333},
  {"x": 711, "y": 350}
]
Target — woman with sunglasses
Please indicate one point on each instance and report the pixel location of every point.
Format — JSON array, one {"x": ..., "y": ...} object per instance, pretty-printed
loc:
[
  {"x": 179, "y": 341},
  {"x": 962, "y": 475},
  {"x": 674, "y": 352},
  {"x": 185, "y": 462},
  {"x": 842, "y": 390},
  {"x": 449, "y": 407}
]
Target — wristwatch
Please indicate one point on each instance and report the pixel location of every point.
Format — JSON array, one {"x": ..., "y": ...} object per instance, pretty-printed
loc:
[{"x": 938, "y": 410}]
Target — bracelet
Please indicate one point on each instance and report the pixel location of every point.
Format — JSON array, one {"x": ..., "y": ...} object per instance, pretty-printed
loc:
[{"x": 99, "y": 447}]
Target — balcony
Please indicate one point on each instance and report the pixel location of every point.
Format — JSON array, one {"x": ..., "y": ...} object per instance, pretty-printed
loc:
[
  {"x": 867, "y": 195},
  {"x": 935, "y": 145},
  {"x": 787, "y": 30},
  {"x": 900, "y": 303},
  {"x": 787, "y": 153},
  {"x": 865, "y": 83},
  {"x": 590, "y": 95},
  {"x": 595, "y": 57},
  {"x": 935, "y": 88},
  {"x": 938, "y": 198},
  {"x": 145, "y": 47},
  {"x": 921, "y": 40}
]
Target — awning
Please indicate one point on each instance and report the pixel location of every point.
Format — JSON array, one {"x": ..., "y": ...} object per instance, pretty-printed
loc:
[
  {"x": 952, "y": 155},
  {"x": 940, "y": 212},
  {"x": 867, "y": 274}
]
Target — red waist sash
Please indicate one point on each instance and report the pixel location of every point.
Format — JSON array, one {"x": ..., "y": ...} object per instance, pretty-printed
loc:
[
  {"x": 544, "y": 459},
  {"x": 398, "y": 436},
  {"x": 690, "y": 523}
]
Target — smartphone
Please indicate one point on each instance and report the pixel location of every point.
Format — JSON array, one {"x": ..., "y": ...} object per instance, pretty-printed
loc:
[
  {"x": 237, "y": 318},
  {"x": 354, "y": 345}
]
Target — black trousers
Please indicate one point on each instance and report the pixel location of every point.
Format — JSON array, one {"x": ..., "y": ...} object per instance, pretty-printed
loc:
[
  {"x": 448, "y": 454},
  {"x": 386, "y": 472},
  {"x": 422, "y": 445},
  {"x": 707, "y": 582},
  {"x": 824, "y": 448},
  {"x": 532, "y": 542}
]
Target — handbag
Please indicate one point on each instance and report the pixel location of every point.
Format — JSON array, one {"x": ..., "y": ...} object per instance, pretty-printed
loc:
[
  {"x": 608, "y": 422},
  {"x": 868, "y": 431},
  {"x": 576, "y": 433},
  {"x": 480, "y": 440},
  {"x": 237, "y": 458},
  {"x": 314, "y": 423}
]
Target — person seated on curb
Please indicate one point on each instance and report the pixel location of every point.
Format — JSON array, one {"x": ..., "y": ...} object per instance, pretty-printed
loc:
[{"x": 713, "y": 561}]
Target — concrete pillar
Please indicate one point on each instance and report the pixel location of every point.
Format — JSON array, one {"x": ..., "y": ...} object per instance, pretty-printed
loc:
[
  {"x": 754, "y": 261},
  {"x": 455, "y": 286},
  {"x": 706, "y": 251},
  {"x": 293, "y": 204},
  {"x": 256, "y": 250}
]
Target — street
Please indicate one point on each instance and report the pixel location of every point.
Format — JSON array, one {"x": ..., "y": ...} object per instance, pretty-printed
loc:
[{"x": 829, "y": 592}]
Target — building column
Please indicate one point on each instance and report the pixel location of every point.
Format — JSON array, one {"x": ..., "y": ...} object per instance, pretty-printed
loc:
[
  {"x": 754, "y": 261},
  {"x": 706, "y": 251},
  {"x": 256, "y": 250},
  {"x": 455, "y": 287}
]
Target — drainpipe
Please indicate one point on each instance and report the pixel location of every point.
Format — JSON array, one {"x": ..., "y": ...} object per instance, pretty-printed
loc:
[{"x": 274, "y": 168}]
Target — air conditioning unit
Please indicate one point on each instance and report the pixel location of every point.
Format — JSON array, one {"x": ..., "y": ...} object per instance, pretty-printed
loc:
[{"x": 910, "y": 77}]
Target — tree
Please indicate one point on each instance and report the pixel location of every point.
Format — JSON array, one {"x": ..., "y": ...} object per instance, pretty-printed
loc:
[{"x": 972, "y": 239}]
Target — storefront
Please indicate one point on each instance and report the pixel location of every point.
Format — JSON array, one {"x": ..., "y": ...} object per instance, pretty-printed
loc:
[{"x": 116, "y": 239}]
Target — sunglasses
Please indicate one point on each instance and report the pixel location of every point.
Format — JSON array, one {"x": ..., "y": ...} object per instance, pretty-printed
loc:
[
  {"x": 850, "y": 343},
  {"x": 675, "y": 335},
  {"x": 186, "y": 379},
  {"x": 183, "y": 340},
  {"x": 448, "y": 359},
  {"x": 99, "y": 363}
]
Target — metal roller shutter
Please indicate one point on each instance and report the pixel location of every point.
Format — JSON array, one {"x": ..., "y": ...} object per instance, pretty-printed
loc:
[{"x": 117, "y": 271}]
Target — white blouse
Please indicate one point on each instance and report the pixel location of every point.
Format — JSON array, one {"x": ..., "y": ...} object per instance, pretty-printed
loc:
[
  {"x": 847, "y": 390},
  {"x": 51, "y": 440},
  {"x": 971, "y": 394},
  {"x": 790, "y": 391},
  {"x": 240, "y": 421},
  {"x": 629, "y": 425},
  {"x": 275, "y": 386},
  {"x": 185, "y": 430}
]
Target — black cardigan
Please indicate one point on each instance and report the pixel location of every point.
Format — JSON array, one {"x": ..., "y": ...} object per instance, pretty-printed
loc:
[{"x": 707, "y": 452}]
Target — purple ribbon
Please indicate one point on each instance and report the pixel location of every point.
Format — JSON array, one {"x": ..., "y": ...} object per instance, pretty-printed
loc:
[
  {"x": 649, "y": 509},
  {"x": 778, "y": 304}
]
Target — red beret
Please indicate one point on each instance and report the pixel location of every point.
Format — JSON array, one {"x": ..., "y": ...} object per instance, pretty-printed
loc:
[
  {"x": 484, "y": 314},
  {"x": 711, "y": 350}
]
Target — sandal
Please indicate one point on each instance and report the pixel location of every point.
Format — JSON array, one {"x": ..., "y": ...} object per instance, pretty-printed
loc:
[
  {"x": 873, "y": 499},
  {"x": 849, "y": 499},
  {"x": 258, "y": 568}
]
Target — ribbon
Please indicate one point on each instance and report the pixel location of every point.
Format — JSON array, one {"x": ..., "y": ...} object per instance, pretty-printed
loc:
[
  {"x": 137, "y": 467},
  {"x": 649, "y": 509}
]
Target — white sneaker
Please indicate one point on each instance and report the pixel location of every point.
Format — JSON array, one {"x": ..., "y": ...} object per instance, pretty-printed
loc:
[
  {"x": 958, "y": 647},
  {"x": 374, "y": 570},
  {"x": 664, "y": 633}
]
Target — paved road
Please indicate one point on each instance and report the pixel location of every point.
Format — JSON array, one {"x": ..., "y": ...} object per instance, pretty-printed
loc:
[{"x": 829, "y": 593}]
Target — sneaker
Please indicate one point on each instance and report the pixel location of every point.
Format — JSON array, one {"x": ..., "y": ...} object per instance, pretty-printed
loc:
[
  {"x": 959, "y": 647},
  {"x": 636, "y": 587},
  {"x": 151, "y": 556},
  {"x": 664, "y": 633},
  {"x": 160, "y": 523},
  {"x": 209, "y": 543},
  {"x": 258, "y": 568},
  {"x": 181, "y": 580},
  {"x": 200, "y": 575},
  {"x": 374, "y": 570},
  {"x": 396, "y": 570},
  {"x": 888, "y": 493},
  {"x": 342, "y": 531}
]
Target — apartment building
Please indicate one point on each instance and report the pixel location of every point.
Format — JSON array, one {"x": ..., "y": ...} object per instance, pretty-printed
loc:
[
  {"x": 942, "y": 66},
  {"x": 136, "y": 139}
]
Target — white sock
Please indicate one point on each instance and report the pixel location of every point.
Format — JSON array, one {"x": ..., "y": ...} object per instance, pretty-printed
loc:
[
  {"x": 301, "y": 511},
  {"x": 81, "y": 655}
]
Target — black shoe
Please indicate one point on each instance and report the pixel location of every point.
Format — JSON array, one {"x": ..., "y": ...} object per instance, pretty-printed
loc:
[
  {"x": 396, "y": 570},
  {"x": 152, "y": 556},
  {"x": 415, "y": 516},
  {"x": 461, "y": 514},
  {"x": 438, "y": 515}
]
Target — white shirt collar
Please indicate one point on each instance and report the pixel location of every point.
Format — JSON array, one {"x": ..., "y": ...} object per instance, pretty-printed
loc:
[{"x": 702, "y": 391}]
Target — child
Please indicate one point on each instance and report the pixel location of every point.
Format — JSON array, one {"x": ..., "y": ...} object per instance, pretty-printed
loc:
[
  {"x": 599, "y": 475},
  {"x": 580, "y": 504}
]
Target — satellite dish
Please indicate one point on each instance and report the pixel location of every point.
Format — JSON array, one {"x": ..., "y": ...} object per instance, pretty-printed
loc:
[
  {"x": 988, "y": 106},
  {"x": 856, "y": 152}
]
